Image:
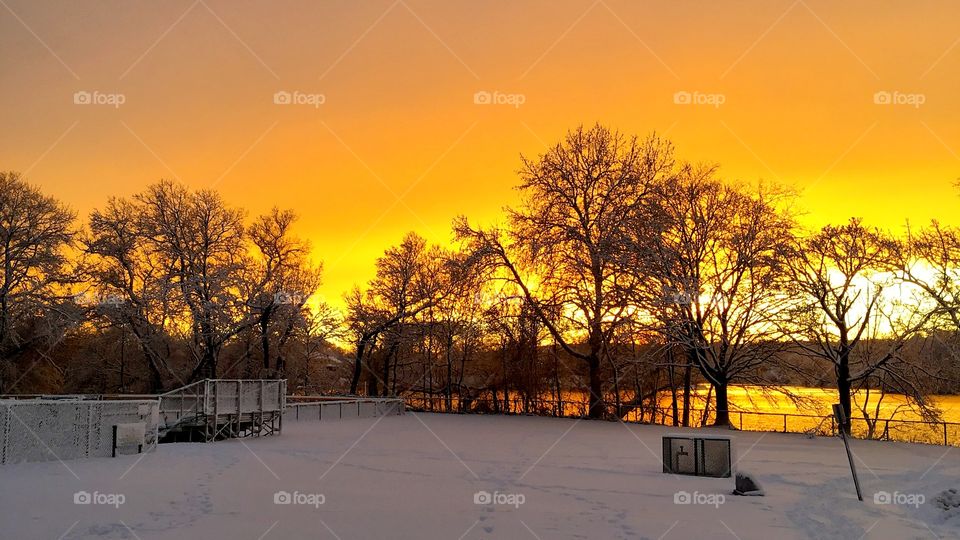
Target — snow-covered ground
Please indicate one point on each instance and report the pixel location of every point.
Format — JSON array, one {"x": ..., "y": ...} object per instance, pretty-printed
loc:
[{"x": 420, "y": 475}]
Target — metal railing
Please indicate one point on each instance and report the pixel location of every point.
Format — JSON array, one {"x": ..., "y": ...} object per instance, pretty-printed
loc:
[{"x": 320, "y": 408}]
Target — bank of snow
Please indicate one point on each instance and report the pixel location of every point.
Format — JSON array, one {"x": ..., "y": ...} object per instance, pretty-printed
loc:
[{"x": 420, "y": 476}]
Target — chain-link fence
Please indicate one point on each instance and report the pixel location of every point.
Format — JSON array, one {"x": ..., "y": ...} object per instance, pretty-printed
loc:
[
  {"x": 890, "y": 429},
  {"x": 46, "y": 430}
]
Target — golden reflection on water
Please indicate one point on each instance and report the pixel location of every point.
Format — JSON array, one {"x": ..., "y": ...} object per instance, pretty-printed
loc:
[{"x": 792, "y": 409}]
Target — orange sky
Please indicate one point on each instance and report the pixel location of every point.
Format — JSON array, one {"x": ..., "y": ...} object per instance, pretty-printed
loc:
[{"x": 797, "y": 79}]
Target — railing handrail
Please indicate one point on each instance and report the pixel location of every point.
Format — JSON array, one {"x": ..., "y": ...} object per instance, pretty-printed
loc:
[
  {"x": 205, "y": 381},
  {"x": 34, "y": 401},
  {"x": 183, "y": 388},
  {"x": 338, "y": 401}
]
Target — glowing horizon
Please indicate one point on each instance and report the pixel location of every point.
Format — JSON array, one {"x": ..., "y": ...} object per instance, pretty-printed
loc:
[{"x": 426, "y": 106}]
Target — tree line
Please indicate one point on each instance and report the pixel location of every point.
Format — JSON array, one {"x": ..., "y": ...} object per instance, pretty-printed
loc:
[{"x": 624, "y": 275}]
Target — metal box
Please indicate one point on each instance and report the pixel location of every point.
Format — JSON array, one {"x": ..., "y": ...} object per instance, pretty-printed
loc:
[{"x": 698, "y": 455}]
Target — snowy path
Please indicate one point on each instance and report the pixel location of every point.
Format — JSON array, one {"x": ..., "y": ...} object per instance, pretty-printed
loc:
[{"x": 416, "y": 477}]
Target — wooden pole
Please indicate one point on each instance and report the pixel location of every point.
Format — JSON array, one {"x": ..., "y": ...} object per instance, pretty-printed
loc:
[{"x": 838, "y": 412}]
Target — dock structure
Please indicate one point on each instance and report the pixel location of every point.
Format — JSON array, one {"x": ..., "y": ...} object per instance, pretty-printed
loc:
[
  {"x": 214, "y": 409},
  {"x": 37, "y": 427}
]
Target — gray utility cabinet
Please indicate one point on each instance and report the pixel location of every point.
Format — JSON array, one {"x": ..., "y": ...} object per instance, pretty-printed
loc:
[{"x": 698, "y": 455}]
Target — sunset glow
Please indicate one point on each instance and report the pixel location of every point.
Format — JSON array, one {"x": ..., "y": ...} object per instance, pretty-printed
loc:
[
  {"x": 432, "y": 269},
  {"x": 398, "y": 142}
]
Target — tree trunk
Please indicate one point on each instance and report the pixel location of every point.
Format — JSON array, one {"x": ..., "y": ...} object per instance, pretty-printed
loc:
[
  {"x": 388, "y": 361},
  {"x": 448, "y": 390},
  {"x": 843, "y": 388},
  {"x": 357, "y": 365},
  {"x": 723, "y": 407},
  {"x": 556, "y": 381},
  {"x": 597, "y": 409},
  {"x": 265, "y": 338},
  {"x": 671, "y": 369},
  {"x": 688, "y": 371},
  {"x": 156, "y": 380}
]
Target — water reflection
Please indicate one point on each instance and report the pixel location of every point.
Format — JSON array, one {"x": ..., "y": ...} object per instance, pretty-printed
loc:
[{"x": 792, "y": 409}]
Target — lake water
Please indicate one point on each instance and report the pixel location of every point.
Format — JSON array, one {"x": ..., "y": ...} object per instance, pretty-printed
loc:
[{"x": 789, "y": 409}]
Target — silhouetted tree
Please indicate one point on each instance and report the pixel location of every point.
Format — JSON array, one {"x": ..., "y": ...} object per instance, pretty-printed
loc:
[
  {"x": 407, "y": 283},
  {"x": 712, "y": 270},
  {"x": 35, "y": 237},
  {"x": 838, "y": 277},
  {"x": 570, "y": 231},
  {"x": 131, "y": 284},
  {"x": 201, "y": 242}
]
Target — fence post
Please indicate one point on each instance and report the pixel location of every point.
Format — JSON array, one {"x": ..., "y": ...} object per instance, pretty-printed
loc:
[{"x": 945, "y": 434}]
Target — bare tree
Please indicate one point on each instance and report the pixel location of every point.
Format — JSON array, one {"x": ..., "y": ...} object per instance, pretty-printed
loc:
[
  {"x": 35, "y": 236},
  {"x": 569, "y": 236},
  {"x": 132, "y": 284},
  {"x": 407, "y": 283},
  {"x": 712, "y": 270},
  {"x": 930, "y": 261},
  {"x": 200, "y": 240},
  {"x": 839, "y": 276},
  {"x": 282, "y": 281}
]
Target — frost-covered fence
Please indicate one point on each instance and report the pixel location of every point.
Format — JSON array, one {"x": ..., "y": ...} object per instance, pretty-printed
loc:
[
  {"x": 61, "y": 429},
  {"x": 329, "y": 408}
]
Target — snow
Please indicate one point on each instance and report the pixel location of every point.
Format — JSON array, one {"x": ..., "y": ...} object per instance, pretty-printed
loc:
[{"x": 418, "y": 475}]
